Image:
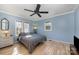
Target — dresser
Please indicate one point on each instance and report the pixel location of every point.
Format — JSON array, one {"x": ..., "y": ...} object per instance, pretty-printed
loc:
[{"x": 5, "y": 40}]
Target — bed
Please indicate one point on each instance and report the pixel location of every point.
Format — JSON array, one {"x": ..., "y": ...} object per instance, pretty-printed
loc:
[{"x": 31, "y": 40}]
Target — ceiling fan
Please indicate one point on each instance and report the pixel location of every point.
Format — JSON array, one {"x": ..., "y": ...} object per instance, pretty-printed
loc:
[{"x": 36, "y": 11}]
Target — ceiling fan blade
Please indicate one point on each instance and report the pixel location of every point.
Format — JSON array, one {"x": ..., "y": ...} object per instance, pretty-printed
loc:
[
  {"x": 32, "y": 14},
  {"x": 28, "y": 10},
  {"x": 43, "y": 12},
  {"x": 38, "y": 14},
  {"x": 37, "y": 7}
]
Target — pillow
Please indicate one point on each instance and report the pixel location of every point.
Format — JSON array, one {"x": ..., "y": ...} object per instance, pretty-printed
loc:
[
  {"x": 23, "y": 33},
  {"x": 28, "y": 36}
]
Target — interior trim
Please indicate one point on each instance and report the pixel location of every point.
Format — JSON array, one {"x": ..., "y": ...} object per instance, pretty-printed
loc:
[{"x": 61, "y": 41}]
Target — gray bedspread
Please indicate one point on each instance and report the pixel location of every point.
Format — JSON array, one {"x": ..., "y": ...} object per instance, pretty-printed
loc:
[{"x": 31, "y": 40}]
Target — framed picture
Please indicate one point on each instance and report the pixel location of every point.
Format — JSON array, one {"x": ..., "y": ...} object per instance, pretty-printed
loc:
[{"x": 48, "y": 26}]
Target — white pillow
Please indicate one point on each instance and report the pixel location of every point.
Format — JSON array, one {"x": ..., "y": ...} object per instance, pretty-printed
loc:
[{"x": 28, "y": 36}]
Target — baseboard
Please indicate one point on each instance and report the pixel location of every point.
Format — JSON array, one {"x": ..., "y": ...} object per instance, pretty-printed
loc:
[{"x": 59, "y": 41}]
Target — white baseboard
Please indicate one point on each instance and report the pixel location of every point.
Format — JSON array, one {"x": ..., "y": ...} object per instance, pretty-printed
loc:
[{"x": 59, "y": 41}]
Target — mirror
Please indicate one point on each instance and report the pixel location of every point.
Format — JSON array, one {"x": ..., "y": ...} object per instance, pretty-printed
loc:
[{"x": 4, "y": 24}]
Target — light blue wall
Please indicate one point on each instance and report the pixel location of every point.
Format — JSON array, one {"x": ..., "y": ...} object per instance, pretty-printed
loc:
[
  {"x": 63, "y": 28},
  {"x": 12, "y": 20},
  {"x": 76, "y": 23}
]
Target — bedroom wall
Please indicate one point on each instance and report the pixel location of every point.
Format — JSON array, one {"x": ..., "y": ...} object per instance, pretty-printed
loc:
[
  {"x": 12, "y": 20},
  {"x": 63, "y": 28},
  {"x": 76, "y": 23}
]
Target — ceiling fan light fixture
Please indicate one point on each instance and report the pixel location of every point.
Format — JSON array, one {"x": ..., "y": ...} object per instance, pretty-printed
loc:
[{"x": 36, "y": 11}]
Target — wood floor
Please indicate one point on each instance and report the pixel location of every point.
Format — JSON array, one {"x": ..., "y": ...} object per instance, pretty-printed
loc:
[{"x": 47, "y": 48}]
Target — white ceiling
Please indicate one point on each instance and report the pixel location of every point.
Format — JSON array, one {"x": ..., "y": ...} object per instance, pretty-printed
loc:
[{"x": 53, "y": 9}]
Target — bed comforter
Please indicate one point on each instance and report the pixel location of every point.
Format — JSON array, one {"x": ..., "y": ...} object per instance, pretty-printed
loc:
[{"x": 31, "y": 40}]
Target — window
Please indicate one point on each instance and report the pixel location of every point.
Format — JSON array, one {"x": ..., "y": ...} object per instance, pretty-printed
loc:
[
  {"x": 26, "y": 27},
  {"x": 18, "y": 27},
  {"x": 21, "y": 27},
  {"x": 48, "y": 26}
]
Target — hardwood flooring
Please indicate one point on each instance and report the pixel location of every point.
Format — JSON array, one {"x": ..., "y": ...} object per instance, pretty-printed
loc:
[{"x": 47, "y": 48}]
